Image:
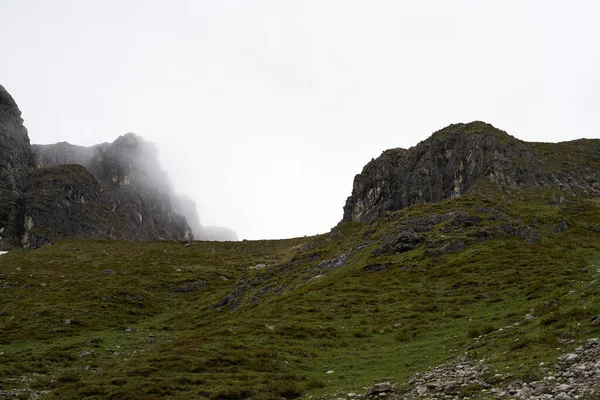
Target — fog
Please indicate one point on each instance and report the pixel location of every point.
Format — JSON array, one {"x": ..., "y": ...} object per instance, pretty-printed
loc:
[
  {"x": 131, "y": 162},
  {"x": 264, "y": 111}
]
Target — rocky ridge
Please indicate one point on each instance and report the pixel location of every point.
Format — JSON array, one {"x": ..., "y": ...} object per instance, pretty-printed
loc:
[{"x": 464, "y": 157}]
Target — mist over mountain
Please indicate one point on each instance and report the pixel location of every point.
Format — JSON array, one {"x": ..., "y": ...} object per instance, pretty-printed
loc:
[
  {"x": 115, "y": 190},
  {"x": 187, "y": 207}
]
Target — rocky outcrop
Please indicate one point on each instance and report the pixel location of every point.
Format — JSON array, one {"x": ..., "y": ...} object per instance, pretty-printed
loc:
[
  {"x": 461, "y": 157},
  {"x": 16, "y": 162},
  {"x": 130, "y": 164},
  {"x": 65, "y": 201},
  {"x": 134, "y": 188},
  {"x": 114, "y": 190},
  {"x": 138, "y": 190}
]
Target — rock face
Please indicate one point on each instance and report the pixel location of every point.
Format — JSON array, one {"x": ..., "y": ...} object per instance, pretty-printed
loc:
[
  {"x": 138, "y": 191},
  {"x": 65, "y": 201},
  {"x": 114, "y": 190},
  {"x": 16, "y": 161},
  {"x": 462, "y": 157},
  {"x": 130, "y": 185}
]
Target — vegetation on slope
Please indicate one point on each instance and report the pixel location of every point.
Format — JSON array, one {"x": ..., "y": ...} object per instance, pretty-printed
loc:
[{"x": 513, "y": 283}]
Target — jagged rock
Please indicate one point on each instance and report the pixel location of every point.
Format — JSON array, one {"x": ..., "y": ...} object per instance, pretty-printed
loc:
[{"x": 463, "y": 157}]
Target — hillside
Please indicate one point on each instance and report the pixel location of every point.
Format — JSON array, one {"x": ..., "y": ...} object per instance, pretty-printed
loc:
[
  {"x": 490, "y": 291},
  {"x": 467, "y": 266}
]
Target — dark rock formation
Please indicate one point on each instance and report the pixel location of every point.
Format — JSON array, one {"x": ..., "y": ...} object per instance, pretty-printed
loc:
[
  {"x": 65, "y": 201},
  {"x": 16, "y": 162},
  {"x": 137, "y": 188},
  {"x": 461, "y": 157},
  {"x": 126, "y": 195},
  {"x": 134, "y": 188}
]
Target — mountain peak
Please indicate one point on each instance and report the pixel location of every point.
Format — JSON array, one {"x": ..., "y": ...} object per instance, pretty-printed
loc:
[
  {"x": 458, "y": 157},
  {"x": 8, "y": 105}
]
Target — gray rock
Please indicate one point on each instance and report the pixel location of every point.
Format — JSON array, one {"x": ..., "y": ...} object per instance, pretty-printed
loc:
[
  {"x": 453, "y": 160},
  {"x": 570, "y": 358},
  {"x": 382, "y": 387},
  {"x": 524, "y": 393},
  {"x": 422, "y": 390},
  {"x": 562, "y": 396}
]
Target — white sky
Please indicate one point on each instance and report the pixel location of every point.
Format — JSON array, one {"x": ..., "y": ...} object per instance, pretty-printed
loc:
[{"x": 265, "y": 110}]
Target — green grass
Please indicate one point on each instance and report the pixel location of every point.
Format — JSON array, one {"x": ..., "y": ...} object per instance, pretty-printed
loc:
[{"x": 124, "y": 320}]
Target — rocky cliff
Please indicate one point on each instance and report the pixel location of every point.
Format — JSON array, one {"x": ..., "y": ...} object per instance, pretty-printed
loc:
[
  {"x": 133, "y": 187},
  {"x": 65, "y": 201},
  {"x": 138, "y": 190},
  {"x": 16, "y": 162},
  {"x": 465, "y": 157},
  {"x": 114, "y": 190}
]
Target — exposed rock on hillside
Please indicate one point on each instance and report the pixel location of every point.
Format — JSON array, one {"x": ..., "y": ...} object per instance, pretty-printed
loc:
[
  {"x": 460, "y": 157},
  {"x": 574, "y": 376}
]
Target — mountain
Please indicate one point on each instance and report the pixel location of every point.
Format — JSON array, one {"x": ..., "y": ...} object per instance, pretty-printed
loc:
[
  {"x": 129, "y": 170},
  {"x": 111, "y": 190},
  {"x": 131, "y": 186},
  {"x": 463, "y": 158},
  {"x": 488, "y": 291}
]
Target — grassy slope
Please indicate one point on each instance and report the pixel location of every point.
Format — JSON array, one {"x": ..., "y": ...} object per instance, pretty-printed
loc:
[{"x": 108, "y": 319}]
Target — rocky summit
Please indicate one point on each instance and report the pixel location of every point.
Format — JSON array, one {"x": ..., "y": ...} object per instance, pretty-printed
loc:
[{"x": 464, "y": 158}]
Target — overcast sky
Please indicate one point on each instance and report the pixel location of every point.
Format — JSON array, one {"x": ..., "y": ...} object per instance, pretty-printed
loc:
[{"x": 264, "y": 111}]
